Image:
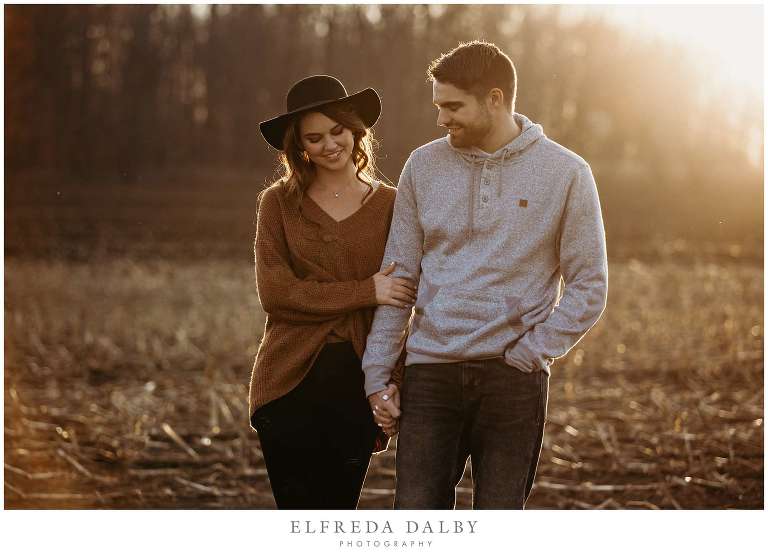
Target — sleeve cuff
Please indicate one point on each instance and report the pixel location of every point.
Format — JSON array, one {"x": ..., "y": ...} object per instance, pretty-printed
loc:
[
  {"x": 525, "y": 359},
  {"x": 367, "y": 292},
  {"x": 376, "y": 379}
]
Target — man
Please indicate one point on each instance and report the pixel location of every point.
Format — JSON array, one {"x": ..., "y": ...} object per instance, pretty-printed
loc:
[{"x": 502, "y": 230}]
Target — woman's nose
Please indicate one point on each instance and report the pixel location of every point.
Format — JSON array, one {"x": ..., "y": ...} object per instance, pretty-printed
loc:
[{"x": 329, "y": 143}]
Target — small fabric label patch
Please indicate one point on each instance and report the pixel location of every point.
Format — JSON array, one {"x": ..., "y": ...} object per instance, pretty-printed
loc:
[{"x": 523, "y": 203}]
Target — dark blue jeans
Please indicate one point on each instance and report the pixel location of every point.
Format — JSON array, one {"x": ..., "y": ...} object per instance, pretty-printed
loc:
[{"x": 485, "y": 410}]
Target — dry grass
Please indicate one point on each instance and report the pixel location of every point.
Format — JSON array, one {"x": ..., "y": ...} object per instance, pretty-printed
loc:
[{"x": 126, "y": 384}]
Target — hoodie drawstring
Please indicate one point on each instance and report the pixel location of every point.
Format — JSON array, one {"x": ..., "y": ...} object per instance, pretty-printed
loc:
[
  {"x": 472, "y": 157},
  {"x": 471, "y": 213},
  {"x": 501, "y": 175}
]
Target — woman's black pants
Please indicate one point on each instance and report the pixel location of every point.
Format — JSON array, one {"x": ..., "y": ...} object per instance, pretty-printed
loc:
[{"x": 317, "y": 440}]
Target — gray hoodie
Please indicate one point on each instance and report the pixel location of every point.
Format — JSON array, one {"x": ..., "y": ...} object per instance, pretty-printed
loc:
[{"x": 508, "y": 250}]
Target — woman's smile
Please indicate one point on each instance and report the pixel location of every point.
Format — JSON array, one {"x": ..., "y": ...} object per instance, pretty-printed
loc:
[{"x": 334, "y": 156}]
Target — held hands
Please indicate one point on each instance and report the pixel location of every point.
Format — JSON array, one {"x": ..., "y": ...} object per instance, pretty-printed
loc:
[
  {"x": 397, "y": 292},
  {"x": 386, "y": 409}
]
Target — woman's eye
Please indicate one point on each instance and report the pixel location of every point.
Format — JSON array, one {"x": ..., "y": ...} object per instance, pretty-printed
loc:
[{"x": 336, "y": 132}]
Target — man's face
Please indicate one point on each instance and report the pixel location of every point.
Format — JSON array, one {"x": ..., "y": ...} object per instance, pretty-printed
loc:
[{"x": 468, "y": 120}]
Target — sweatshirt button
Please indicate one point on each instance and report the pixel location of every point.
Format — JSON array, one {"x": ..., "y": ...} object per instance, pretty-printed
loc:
[
  {"x": 327, "y": 238},
  {"x": 485, "y": 199}
]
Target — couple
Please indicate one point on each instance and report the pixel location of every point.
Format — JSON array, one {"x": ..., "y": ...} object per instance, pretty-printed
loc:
[{"x": 434, "y": 309}]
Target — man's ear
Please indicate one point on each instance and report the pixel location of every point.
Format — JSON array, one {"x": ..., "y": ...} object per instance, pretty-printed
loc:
[{"x": 496, "y": 98}]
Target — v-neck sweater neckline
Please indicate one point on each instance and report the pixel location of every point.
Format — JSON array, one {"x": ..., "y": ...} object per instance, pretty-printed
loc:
[{"x": 309, "y": 201}]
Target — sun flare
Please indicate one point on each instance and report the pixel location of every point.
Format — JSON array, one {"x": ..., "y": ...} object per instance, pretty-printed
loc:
[{"x": 727, "y": 39}]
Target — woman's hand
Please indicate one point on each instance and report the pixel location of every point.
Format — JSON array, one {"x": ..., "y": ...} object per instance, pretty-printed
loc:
[
  {"x": 385, "y": 406},
  {"x": 397, "y": 292},
  {"x": 392, "y": 430}
]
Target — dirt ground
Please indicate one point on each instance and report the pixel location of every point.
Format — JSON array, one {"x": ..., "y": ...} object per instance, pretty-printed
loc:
[{"x": 126, "y": 384}]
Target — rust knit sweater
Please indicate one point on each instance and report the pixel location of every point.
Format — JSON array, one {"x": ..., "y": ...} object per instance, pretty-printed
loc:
[{"x": 314, "y": 275}]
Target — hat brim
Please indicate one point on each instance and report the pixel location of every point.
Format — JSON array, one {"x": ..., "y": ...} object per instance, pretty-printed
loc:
[{"x": 366, "y": 104}]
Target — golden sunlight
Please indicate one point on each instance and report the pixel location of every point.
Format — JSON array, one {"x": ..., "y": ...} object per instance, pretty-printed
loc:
[{"x": 729, "y": 39}]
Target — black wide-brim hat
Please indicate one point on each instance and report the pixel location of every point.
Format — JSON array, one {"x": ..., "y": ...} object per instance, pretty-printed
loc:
[{"x": 313, "y": 92}]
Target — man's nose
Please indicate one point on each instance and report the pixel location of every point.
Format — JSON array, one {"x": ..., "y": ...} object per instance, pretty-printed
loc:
[{"x": 442, "y": 118}]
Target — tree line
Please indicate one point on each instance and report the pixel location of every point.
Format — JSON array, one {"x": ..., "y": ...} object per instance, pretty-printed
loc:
[{"x": 124, "y": 90}]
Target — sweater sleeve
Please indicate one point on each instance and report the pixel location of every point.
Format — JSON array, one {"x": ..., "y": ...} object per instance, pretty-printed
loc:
[
  {"x": 386, "y": 340},
  {"x": 398, "y": 371},
  {"x": 285, "y": 296},
  {"x": 584, "y": 268}
]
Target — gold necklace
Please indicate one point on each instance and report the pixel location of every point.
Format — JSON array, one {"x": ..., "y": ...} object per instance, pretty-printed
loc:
[{"x": 337, "y": 194}]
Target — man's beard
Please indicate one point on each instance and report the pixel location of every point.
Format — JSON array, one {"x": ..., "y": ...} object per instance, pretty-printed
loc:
[{"x": 474, "y": 133}]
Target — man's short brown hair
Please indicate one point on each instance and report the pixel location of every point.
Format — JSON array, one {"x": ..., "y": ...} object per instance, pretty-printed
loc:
[{"x": 477, "y": 67}]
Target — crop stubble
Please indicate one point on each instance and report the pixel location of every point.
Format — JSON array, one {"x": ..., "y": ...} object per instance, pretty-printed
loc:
[{"x": 126, "y": 385}]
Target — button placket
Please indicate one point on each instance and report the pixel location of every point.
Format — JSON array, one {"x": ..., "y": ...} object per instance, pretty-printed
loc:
[{"x": 485, "y": 180}]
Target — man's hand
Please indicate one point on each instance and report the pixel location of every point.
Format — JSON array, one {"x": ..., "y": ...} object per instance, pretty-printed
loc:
[{"x": 386, "y": 409}]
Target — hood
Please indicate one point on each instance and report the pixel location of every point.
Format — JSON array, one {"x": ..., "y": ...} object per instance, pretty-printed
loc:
[{"x": 531, "y": 133}]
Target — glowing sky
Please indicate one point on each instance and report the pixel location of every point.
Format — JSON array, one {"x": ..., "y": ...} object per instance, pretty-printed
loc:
[{"x": 731, "y": 37}]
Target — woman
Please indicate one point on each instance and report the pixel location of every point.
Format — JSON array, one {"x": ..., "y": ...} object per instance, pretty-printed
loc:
[{"x": 320, "y": 238}]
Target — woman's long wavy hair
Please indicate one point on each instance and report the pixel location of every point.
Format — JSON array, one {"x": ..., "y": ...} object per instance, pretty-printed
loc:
[{"x": 298, "y": 171}]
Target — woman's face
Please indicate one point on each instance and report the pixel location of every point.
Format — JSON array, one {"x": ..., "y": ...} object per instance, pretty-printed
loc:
[{"x": 327, "y": 143}]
